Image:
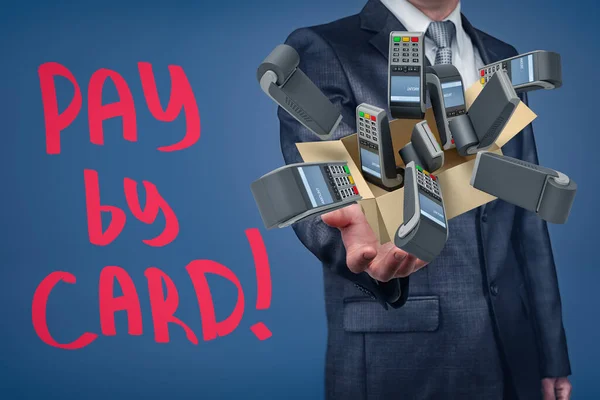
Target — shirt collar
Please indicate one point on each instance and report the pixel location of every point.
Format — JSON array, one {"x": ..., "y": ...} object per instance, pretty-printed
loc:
[
  {"x": 456, "y": 18},
  {"x": 415, "y": 21}
]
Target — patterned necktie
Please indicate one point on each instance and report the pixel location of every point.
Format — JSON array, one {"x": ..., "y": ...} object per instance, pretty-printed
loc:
[{"x": 442, "y": 33}]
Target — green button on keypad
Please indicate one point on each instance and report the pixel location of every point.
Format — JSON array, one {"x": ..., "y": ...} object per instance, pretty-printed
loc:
[
  {"x": 346, "y": 169},
  {"x": 396, "y": 38}
]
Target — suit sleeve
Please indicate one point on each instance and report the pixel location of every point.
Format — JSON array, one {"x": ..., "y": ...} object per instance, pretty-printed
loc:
[
  {"x": 322, "y": 66},
  {"x": 531, "y": 235}
]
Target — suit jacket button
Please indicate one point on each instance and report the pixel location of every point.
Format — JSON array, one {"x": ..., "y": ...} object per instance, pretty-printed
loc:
[
  {"x": 494, "y": 289},
  {"x": 484, "y": 218}
]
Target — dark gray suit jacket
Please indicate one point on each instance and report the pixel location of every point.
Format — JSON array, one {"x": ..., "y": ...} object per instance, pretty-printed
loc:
[{"x": 486, "y": 310}]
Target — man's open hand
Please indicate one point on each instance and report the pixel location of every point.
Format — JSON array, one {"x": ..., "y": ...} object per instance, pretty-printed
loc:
[{"x": 363, "y": 251}]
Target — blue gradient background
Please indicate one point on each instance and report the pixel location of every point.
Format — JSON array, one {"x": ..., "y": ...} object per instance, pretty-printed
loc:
[{"x": 220, "y": 44}]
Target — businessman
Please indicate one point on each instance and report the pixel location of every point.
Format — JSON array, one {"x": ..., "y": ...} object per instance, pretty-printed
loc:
[{"x": 483, "y": 321}]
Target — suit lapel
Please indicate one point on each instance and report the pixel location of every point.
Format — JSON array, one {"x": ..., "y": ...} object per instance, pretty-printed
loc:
[
  {"x": 381, "y": 40},
  {"x": 488, "y": 55},
  {"x": 375, "y": 17}
]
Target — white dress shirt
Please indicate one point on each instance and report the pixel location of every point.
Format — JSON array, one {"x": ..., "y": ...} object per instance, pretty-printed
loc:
[{"x": 465, "y": 57}]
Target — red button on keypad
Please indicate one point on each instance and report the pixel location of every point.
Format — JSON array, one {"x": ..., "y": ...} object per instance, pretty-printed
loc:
[
  {"x": 482, "y": 72},
  {"x": 355, "y": 189},
  {"x": 414, "y": 39}
]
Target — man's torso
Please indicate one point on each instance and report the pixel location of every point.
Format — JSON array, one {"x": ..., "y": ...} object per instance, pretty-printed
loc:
[{"x": 442, "y": 343}]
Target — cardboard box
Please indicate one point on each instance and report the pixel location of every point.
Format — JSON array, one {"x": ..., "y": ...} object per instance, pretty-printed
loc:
[{"x": 384, "y": 209}]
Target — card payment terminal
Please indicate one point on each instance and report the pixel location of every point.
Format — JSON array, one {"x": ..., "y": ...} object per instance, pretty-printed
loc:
[
  {"x": 423, "y": 149},
  {"x": 546, "y": 192},
  {"x": 296, "y": 191},
  {"x": 530, "y": 71},
  {"x": 376, "y": 152},
  {"x": 425, "y": 229},
  {"x": 479, "y": 128},
  {"x": 447, "y": 95},
  {"x": 282, "y": 80},
  {"x": 406, "y": 75}
]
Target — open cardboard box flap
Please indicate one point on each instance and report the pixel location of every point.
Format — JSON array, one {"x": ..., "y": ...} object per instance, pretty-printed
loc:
[{"x": 384, "y": 209}]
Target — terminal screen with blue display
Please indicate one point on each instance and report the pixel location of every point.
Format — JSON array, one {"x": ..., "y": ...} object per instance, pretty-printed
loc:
[
  {"x": 521, "y": 70},
  {"x": 432, "y": 210},
  {"x": 405, "y": 89},
  {"x": 370, "y": 162},
  {"x": 453, "y": 94}
]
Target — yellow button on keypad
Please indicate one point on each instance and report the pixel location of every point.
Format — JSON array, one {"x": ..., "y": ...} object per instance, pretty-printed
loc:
[
  {"x": 351, "y": 179},
  {"x": 482, "y": 81},
  {"x": 405, "y": 39}
]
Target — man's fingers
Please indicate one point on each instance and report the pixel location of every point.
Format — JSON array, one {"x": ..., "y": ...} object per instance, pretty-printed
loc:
[
  {"x": 392, "y": 262},
  {"x": 339, "y": 218},
  {"x": 387, "y": 262},
  {"x": 556, "y": 388},
  {"x": 419, "y": 264},
  {"x": 353, "y": 225},
  {"x": 358, "y": 237},
  {"x": 359, "y": 257},
  {"x": 405, "y": 271},
  {"x": 563, "y": 389},
  {"x": 407, "y": 267},
  {"x": 548, "y": 388}
]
